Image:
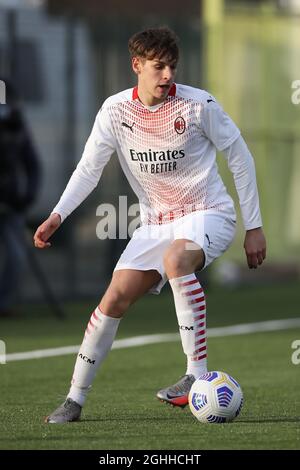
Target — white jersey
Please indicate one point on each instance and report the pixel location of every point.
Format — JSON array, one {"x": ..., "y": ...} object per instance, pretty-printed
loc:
[{"x": 168, "y": 154}]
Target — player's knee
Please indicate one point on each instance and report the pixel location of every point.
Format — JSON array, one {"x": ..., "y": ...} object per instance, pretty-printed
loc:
[
  {"x": 175, "y": 260},
  {"x": 115, "y": 303}
]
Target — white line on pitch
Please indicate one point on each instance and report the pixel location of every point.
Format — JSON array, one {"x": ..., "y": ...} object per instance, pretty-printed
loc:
[{"x": 242, "y": 329}]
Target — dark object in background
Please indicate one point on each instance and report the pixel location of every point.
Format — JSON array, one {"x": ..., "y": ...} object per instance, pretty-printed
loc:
[
  {"x": 19, "y": 168},
  {"x": 19, "y": 183}
]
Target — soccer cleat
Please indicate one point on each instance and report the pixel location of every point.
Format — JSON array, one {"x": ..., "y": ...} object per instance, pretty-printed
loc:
[
  {"x": 65, "y": 413},
  {"x": 177, "y": 394}
]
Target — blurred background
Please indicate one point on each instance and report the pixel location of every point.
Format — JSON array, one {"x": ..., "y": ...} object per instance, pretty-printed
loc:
[{"x": 65, "y": 57}]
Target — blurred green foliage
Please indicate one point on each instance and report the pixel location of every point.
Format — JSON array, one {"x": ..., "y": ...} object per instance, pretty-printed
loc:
[{"x": 258, "y": 63}]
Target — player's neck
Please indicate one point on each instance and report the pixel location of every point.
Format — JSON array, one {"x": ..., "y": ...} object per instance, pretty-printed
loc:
[{"x": 147, "y": 99}]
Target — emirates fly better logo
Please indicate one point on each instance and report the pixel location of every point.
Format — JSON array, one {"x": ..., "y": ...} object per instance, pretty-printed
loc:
[{"x": 179, "y": 125}]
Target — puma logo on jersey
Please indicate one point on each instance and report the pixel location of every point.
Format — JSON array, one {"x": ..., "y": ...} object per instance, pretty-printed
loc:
[
  {"x": 209, "y": 242},
  {"x": 210, "y": 100},
  {"x": 124, "y": 124}
]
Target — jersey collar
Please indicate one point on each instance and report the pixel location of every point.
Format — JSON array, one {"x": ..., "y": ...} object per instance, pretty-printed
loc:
[{"x": 135, "y": 96}]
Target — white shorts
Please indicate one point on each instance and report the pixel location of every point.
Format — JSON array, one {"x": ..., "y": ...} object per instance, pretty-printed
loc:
[{"x": 213, "y": 232}]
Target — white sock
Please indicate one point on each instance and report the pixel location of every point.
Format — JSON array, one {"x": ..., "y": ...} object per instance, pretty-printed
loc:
[
  {"x": 191, "y": 314},
  {"x": 99, "y": 336}
]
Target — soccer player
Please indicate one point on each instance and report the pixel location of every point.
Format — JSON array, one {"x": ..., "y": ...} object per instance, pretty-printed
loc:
[{"x": 166, "y": 136}]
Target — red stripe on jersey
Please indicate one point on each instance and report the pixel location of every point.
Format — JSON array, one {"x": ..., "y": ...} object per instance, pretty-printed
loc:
[
  {"x": 200, "y": 350},
  {"x": 172, "y": 91},
  {"x": 135, "y": 94}
]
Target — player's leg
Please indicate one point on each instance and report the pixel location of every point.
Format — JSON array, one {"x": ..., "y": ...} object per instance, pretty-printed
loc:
[
  {"x": 125, "y": 288},
  {"x": 182, "y": 259},
  {"x": 206, "y": 238}
]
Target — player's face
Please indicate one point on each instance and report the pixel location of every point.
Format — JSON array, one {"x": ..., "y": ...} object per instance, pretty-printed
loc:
[{"x": 155, "y": 78}]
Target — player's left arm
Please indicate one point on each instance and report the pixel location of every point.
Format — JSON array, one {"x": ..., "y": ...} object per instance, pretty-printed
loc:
[
  {"x": 241, "y": 164},
  {"x": 255, "y": 247},
  {"x": 225, "y": 135}
]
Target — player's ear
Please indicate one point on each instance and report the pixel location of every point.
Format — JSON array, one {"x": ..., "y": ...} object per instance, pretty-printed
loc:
[{"x": 136, "y": 64}]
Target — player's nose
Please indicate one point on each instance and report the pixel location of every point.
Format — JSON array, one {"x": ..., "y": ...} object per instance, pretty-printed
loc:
[{"x": 168, "y": 73}]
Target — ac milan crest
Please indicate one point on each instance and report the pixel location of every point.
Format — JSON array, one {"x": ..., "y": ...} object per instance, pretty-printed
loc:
[{"x": 179, "y": 125}]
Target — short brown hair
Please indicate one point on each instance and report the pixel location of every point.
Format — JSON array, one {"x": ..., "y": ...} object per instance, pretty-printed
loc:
[{"x": 155, "y": 43}]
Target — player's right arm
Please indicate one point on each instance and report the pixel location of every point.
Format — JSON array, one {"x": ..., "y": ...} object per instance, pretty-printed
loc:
[
  {"x": 98, "y": 150},
  {"x": 45, "y": 230}
]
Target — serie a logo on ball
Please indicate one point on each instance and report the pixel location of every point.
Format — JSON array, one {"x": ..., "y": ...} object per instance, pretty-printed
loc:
[{"x": 215, "y": 397}]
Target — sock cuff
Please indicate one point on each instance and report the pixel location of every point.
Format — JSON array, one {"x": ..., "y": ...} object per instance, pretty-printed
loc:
[
  {"x": 178, "y": 281},
  {"x": 105, "y": 319}
]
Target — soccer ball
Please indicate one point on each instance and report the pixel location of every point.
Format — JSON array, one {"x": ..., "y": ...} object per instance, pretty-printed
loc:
[{"x": 215, "y": 397}]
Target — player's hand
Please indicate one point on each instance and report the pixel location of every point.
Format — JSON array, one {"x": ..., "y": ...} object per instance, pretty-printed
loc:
[
  {"x": 44, "y": 231},
  {"x": 255, "y": 247}
]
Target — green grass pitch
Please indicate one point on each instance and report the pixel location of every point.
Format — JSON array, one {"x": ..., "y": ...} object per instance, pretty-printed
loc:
[{"x": 122, "y": 411}]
